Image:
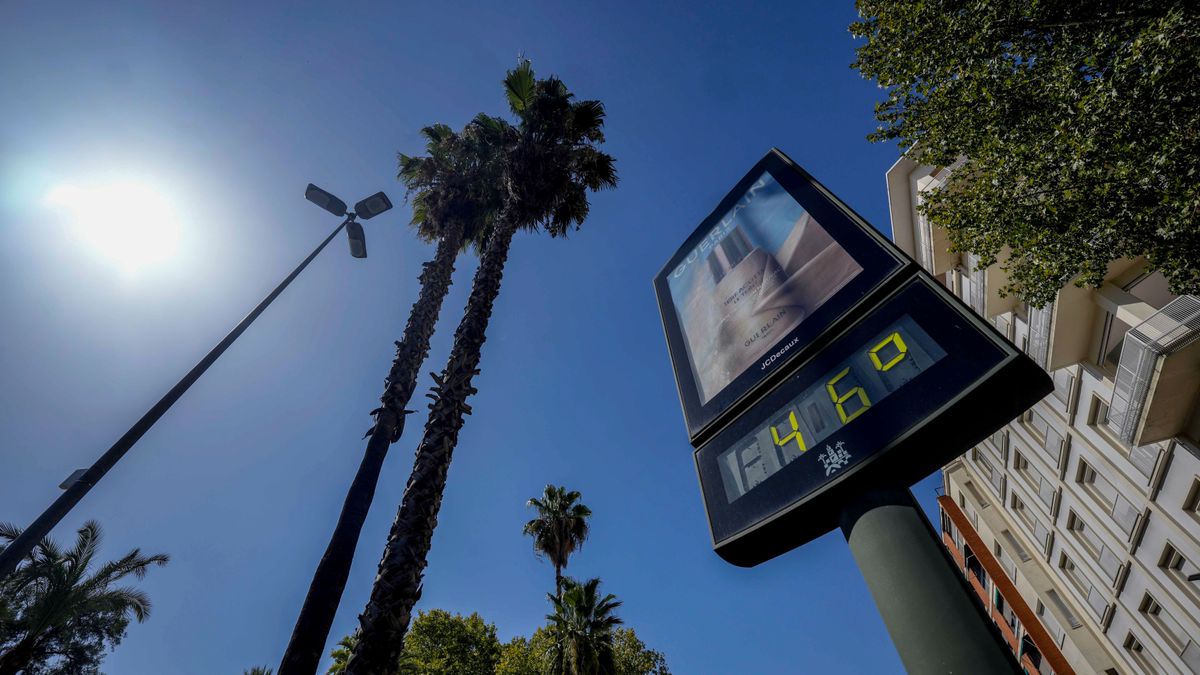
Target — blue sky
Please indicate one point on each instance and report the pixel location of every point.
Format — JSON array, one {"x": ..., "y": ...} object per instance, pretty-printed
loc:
[{"x": 231, "y": 109}]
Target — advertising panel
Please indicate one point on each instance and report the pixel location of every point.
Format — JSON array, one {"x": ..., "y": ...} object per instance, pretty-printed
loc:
[
  {"x": 766, "y": 267},
  {"x": 776, "y": 263}
]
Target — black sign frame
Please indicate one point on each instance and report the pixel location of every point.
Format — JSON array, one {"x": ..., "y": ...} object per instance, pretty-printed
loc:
[
  {"x": 949, "y": 407},
  {"x": 879, "y": 259}
]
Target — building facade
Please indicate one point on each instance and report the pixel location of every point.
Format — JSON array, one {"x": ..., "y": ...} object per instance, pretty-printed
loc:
[{"x": 1078, "y": 525}]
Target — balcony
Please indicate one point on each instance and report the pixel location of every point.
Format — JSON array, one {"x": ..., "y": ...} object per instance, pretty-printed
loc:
[
  {"x": 1061, "y": 333},
  {"x": 1158, "y": 375},
  {"x": 930, "y": 247},
  {"x": 1031, "y": 659},
  {"x": 981, "y": 288},
  {"x": 982, "y": 565}
]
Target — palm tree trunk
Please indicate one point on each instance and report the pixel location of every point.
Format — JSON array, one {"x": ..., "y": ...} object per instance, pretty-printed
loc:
[
  {"x": 16, "y": 659},
  {"x": 558, "y": 581},
  {"x": 384, "y": 622},
  {"x": 307, "y": 644}
]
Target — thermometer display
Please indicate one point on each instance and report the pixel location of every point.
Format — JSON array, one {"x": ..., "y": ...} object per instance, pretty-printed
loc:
[{"x": 844, "y": 394}]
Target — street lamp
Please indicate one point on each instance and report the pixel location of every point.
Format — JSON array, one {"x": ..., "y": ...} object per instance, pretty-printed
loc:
[
  {"x": 365, "y": 209},
  {"x": 81, "y": 481}
]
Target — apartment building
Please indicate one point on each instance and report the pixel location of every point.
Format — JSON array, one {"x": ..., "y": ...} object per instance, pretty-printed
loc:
[{"x": 1078, "y": 525}]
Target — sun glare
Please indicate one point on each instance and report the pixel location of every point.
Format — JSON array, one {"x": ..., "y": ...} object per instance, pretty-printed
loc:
[{"x": 128, "y": 223}]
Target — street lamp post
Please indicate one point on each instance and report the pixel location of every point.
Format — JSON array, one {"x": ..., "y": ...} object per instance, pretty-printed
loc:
[{"x": 83, "y": 480}]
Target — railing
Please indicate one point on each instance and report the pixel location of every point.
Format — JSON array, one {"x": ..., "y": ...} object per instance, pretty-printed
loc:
[
  {"x": 1053, "y": 445},
  {"x": 1144, "y": 457},
  {"x": 1039, "y": 333},
  {"x": 1124, "y": 514},
  {"x": 1168, "y": 330}
]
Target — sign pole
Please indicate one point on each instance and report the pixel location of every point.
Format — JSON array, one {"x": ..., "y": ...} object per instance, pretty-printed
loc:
[{"x": 934, "y": 623}]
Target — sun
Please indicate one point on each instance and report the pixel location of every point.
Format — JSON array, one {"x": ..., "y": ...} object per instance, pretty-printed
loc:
[{"x": 131, "y": 224}]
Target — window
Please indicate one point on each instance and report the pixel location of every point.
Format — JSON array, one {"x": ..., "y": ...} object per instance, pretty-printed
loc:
[
  {"x": 1036, "y": 423},
  {"x": 1191, "y": 505},
  {"x": 1091, "y": 541},
  {"x": 1052, "y": 625},
  {"x": 1084, "y": 533},
  {"x": 1015, "y": 546},
  {"x": 985, "y": 466},
  {"x": 1018, "y": 508},
  {"x": 1098, "y": 412},
  {"x": 1002, "y": 325},
  {"x": 1063, "y": 381},
  {"x": 1044, "y": 487},
  {"x": 1124, "y": 514},
  {"x": 995, "y": 478},
  {"x": 1137, "y": 652},
  {"x": 1177, "y": 638},
  {"x": 1041, "y": 535},
  {"x": 1020, "y": 464},
  {"x": 1072, "y": 620},
  {"x": 1180, "y": 568},
  {"x": 1095, "y": 598},
  {"x": 1006, "y": 562},
  {"x": 976, "y": 496},
  {"x": 1000, "y": 441}
]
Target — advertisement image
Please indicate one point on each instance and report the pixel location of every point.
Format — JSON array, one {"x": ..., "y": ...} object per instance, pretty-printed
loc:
[{"x": 764, "y": 268}]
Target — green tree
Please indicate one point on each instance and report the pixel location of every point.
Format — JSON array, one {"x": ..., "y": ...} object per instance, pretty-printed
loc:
[
  {"x": 633, "y": 657},
  {"x": 531, "y": 656},
  {"x": 341, "y": 654},
  {"x": 61, "y": 614},
  {"x": 441, "y": 643},
  {"x": 548, "y": 163},
  {"x": 453, "y": 199},
  {"x": 559, "y": 529},
  {"x": 582, "y": 626},
  {"x": 534, "y": 656},
  {"x": 1078, "y": 125}
]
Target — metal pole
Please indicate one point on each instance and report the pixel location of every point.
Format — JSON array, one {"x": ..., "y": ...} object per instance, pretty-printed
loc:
[
  {"x": 934, "y": 623},
  {"x": 24, "y": 544}
]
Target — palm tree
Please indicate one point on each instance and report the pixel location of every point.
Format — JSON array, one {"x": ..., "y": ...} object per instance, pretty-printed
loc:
[
  {"x": 582, "y": 627},
  {"x": 59, "y": 590},
  {"x": 549, "y": 163},
  {"x": 452, "y": 200},
  {"x": 340, "y": 655},
  {"x": 559, "y": 528}
]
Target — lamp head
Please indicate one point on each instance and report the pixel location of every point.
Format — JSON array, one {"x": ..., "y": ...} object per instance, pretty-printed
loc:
[
  {"x": 325, "y": 200},
  {"x": 372, "y": 206},
  {"x": 358, "y": 239}
]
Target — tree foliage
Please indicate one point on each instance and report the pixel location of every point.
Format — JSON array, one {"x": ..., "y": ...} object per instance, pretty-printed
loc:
[
  {"x": 519, "y": 656},
  {"x": 559, "y": 529},
  {"x": 633, "y": 657},
  {"x": 535, "y": 656},
  {"x": 548, "y": 163},
  {"x": 341, "y": 654},
  {"x": 1078, "y": 125},
  {"x": 441, "y": 643},
  {"x": 582, "y": 626},
  {"x": 59, "y": 613}
]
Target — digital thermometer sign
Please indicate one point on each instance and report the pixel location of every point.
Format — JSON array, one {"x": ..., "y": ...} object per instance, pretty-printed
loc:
[
  {"x": 816, "y": 362},
  {"x": 877, "y": 369}
]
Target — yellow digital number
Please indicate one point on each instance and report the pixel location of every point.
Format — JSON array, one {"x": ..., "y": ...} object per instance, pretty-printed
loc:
[
  {"x": 902, "y": 348},
  {"x": 840, "y": 399},
  {"x": 794, "y": 435}
]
